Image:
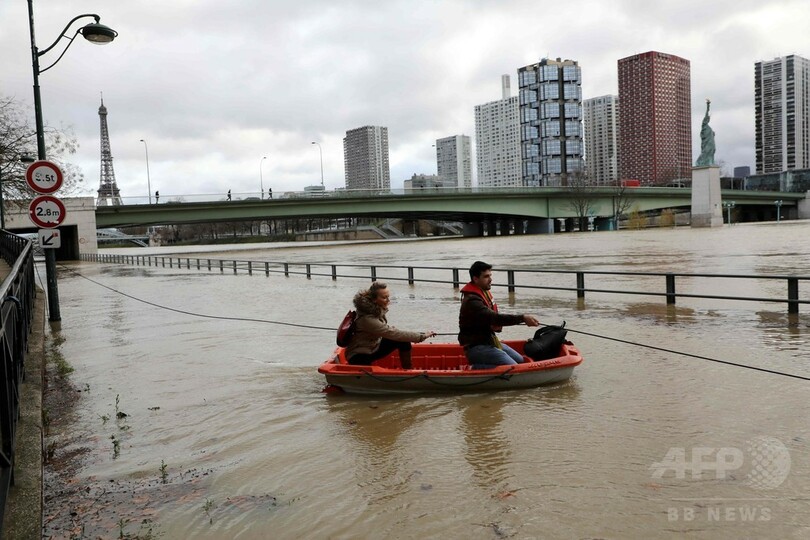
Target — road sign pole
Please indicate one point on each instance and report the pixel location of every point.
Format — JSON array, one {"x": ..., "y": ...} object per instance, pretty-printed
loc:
[
  {"x": 53, "y": 290},
  {"x": 46, "y": 177}
]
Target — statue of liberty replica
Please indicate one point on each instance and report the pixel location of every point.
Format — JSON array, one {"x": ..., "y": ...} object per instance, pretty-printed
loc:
[
  {"x": 706, "y": 140},
  {"x": 706, "y": 196}
]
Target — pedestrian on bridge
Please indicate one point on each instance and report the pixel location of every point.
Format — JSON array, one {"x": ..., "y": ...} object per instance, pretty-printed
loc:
[
  {"x": 229, "y": 194},
  {"x": 157, "y": 197}
]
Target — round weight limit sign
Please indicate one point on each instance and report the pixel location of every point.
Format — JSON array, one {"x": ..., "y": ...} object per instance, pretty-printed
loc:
[
  {"x": 46, "y": 212},
  {"x": 44, "y": 176}
]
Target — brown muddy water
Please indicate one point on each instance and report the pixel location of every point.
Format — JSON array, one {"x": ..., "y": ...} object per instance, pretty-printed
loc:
[{"x": 227, "y": 433}]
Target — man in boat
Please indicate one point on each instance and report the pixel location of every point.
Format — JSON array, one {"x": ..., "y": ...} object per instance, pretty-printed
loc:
[
  {"x": 479, "y": 320},
  {"x": 373, "y": 338}
]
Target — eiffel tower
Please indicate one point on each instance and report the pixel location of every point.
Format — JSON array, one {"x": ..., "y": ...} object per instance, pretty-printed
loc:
[{"x": 108, "y": 191}]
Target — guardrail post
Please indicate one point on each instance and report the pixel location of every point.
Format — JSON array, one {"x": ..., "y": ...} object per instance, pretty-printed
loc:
[
  {"x": 163, "y": 261},
  {"x": 221, "y": 266},
  {"x": 510, "y": 281},
  {"x": 188, "y": 263},
  {"x": 793, "y": 295},
  {"x": 234, "y": 267},
  {"x": 198, "y": 264},
  {"x": 286, "y": 269},
  {"x": 410, "y": 275},
  {"x": 580, "y": 284},
  {"x": 334, "y": 272},
  {"x": 373, "y": 273},
  {"x": 456, "y": 282},
  {"x": 209, "y": 264},
  {"x": 309, "y": 274},
  {"x": 266, "y": 269},
  {"x": 250, "y": 268},
  {"x": 670, "y": 288}
]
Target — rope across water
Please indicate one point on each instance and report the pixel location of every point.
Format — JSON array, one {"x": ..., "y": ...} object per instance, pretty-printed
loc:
[{"x": 330, "y": 329}]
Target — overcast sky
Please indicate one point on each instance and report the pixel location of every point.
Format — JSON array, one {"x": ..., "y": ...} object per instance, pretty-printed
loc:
[{"x": 214, "y": 86}]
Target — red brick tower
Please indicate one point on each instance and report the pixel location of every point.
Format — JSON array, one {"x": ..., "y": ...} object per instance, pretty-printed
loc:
[{"x": 655, "y": 118}]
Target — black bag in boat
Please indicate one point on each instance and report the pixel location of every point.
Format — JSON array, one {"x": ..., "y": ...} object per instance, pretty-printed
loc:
[{"x": 546, "y": 342}]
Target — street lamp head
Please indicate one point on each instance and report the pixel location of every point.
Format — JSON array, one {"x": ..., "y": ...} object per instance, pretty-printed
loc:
[{"x": 98, "y": 33}]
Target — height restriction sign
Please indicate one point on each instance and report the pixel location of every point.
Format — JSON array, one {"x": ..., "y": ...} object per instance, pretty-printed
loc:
[
  {"x": 46, "y": 211},
  {"x": 44, "y": 176}
]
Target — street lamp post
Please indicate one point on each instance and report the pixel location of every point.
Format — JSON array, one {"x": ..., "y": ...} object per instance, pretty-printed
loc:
[
  {"x": 93, "y": 32},
  {"x": 261, "y": 178},
  {"x": 148, "y": 180},
  {"x": 728, "y": 206},
  {"x": 320, "y": 153},
  {"x": 778, "y": 204}
]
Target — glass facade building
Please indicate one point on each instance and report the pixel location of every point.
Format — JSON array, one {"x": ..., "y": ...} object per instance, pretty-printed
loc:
[
  {"x": 550, "y": 100},
  {"x": 782, "y": 114},
  {"x": 497, "y": 140},
  {"x": 365, "y": 158},
  {"x": 601, "y": 142},
  {"x": 454, "y": 161}
]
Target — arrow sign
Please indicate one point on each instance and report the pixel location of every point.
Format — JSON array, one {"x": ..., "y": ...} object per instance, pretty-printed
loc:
[
  {"x": 44, "y": 176},
  {"x": 46, "y": 211},
  {"x": 50, "y": 238}
]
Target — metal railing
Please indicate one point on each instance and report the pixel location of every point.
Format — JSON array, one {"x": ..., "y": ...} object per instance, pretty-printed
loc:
[
  {"x": 660, "y": 284},
  {"x": 17, "y": 292}
]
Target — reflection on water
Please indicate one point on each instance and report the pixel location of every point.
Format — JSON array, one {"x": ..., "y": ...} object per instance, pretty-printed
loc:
[
  {"x": 488, "y": 448},
  {"x": 239, "y": 402}
]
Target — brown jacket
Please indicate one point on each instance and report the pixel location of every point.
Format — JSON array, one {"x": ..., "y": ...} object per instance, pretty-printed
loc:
[
  {"x": 371, "y": 326},
  {"x": 478, "y": 320}
]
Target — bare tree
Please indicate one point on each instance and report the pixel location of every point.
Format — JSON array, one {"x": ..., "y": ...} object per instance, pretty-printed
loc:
[
  {"x": 18, "y": 139},
  {"x": 582, "y": 201},
  {"x": 622, "y": 201}
]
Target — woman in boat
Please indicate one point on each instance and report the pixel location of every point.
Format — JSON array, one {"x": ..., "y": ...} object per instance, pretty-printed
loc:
[{"x": 373, "y": 338}]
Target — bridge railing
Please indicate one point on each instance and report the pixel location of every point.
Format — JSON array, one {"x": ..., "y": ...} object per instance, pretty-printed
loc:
[
  {"x": 656, "y": 284},
  {"x": 17, "y": 294}
]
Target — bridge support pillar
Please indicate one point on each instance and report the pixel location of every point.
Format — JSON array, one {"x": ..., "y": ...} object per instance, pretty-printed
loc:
[
  {"x": 491, "y": 229},
  {"x": 475, "y": 228},
  {"x": 804, "y": 207},
  {"x": 707, "y": 207},
  {"x": 518, "y": 226},
  {"x": 603, "y": 224},
  {"x": 540, "y": 226}
]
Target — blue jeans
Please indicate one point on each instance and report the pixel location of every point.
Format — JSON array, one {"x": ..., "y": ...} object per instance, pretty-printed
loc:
[{"x": 487, "y": 356}]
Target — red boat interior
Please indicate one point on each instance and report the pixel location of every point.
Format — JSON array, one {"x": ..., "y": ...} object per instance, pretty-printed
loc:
[{"x": 437, "y": 356}]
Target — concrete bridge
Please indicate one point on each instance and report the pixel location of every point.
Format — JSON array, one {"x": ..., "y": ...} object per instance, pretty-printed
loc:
[
  {"x": 529, "y": 210},
  {"x": 475, "y": 206}
]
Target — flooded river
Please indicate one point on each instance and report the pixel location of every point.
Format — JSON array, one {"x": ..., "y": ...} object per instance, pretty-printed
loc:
[{"x": 227, "y": 433}]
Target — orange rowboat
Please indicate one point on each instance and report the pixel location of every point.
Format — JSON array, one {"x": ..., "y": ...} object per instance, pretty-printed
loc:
[{"x": 442, "y": 367}]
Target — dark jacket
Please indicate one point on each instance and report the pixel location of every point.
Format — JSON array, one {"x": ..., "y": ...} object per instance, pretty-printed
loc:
[
  {"x": 478, "y": 318},
  {"x": 372, "y": 326}
]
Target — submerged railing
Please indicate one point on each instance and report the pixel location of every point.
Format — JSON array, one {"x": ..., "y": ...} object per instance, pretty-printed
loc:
[
  {"x": 17, "y": 294},
  {"x": 660, "y": 284}
]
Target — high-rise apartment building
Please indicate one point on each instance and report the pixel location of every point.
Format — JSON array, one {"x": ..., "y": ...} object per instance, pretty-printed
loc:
[
  {"x": 550, "y": 121},
  {"x": 655, "y": 120},
  {"x": 497, "y": 140},
  {"x": 365, "y": 158},
  {"x": 782, "y": 100},
  {"x": 600, "y": 115},
  {"x": 454, "y": 161}
]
